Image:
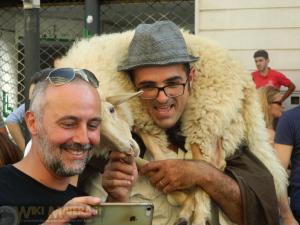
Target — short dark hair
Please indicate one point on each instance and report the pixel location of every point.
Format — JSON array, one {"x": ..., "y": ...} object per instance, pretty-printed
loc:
[
  {"x": 187, "y": 68},
  {"x": 261, "y": 53}
]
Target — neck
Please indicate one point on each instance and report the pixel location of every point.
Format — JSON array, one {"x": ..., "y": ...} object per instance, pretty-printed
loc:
[
  {"x": 265, "y": 71},
  {"x": 175, "y": 137},
  {"x": 33, "y": 166}
]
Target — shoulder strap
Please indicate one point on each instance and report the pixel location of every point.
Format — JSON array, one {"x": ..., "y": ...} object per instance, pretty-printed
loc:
[
  {"x": 214, "y": 213},
  {"x": 140, "y": 143}
]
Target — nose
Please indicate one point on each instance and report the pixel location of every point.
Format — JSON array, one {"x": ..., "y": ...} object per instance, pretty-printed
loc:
[
  {"x": 162, "y": 97},
  {"x": 81, "y": 135}
]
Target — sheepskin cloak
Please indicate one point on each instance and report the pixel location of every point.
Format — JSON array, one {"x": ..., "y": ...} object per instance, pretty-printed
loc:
[{"x": 223, "y": 104}]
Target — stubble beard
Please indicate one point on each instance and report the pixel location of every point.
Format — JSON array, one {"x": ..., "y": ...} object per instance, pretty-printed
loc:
[{"x": 51, "y": 156}]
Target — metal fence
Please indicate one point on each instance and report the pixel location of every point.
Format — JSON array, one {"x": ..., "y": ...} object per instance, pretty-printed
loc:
[{"x": 62, "y": 22}]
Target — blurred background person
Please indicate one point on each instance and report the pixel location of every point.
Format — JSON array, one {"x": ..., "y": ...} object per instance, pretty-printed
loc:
[
  {"x": 2, "y": 126},
  {"x": 272, "y": 108},
  {"x": 266, "y": 76},
  {"x": 287, "y": 146},
  {"x": 9, "y": 152},
  {"x": 15, "y": 120}
]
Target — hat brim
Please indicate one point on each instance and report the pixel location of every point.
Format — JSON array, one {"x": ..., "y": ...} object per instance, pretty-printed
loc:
[{"x": 159, "y": 63}]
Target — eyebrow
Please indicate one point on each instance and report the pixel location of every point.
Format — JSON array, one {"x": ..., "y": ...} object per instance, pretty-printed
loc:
[
  {"x": 171, "y": 79},
  {"x": 99, "y": 119}
]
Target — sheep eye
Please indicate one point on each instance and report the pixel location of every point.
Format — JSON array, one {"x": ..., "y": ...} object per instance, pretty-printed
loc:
[{"x": 112, "y": 110}]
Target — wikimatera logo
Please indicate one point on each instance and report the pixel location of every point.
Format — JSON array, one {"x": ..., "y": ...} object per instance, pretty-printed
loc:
[
  {"x": 8, "y": 215},
  {"x": 13, "y": 215}
]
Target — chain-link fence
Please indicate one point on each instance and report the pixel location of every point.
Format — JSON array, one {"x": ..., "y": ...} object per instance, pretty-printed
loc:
[
  {"x": 11, "y": 55},
  {"x": 62, "y": 22}
]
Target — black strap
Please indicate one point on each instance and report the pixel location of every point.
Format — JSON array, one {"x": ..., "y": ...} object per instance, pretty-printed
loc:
[
  {"x": 141, "y": 144},
  {"x": 214, "y": 213}
]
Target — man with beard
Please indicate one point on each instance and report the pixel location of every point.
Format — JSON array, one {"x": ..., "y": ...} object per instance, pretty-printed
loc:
[
  {"x": 64, "y": 122},
  {"x": 158, "y": 63}
]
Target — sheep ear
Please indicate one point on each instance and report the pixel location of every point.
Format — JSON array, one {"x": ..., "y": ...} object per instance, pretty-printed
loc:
[{"x": 119, "y": 99}]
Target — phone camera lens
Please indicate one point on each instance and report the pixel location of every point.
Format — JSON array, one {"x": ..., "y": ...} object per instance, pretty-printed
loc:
[{"x": 132, "y": 218}]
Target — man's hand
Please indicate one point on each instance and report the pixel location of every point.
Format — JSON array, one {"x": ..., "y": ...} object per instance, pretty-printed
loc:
[
  {"x": 174, "y": 174},
  {"x": 286, "y": 212},
  {"x": 289, "y": 220},
  {"x": 79, "y": 207},
  {"x": 290, "y": 90},
  {"x": 171, "y": 174},
  {"x": 119, "y": 176}
]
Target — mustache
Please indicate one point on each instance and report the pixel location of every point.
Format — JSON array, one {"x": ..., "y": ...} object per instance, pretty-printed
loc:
[
  {"x": 169, "y": 102},
  {"x": 77, "y": 147}
]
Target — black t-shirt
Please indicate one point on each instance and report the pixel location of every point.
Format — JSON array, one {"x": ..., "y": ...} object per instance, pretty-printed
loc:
[{"x": 26, "y": 201}]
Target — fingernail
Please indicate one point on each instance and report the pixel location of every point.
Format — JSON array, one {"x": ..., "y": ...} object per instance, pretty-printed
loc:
[{"x": 94, "y": 212}]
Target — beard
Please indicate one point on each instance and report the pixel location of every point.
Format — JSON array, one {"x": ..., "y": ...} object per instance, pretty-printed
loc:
[{"x": 52, "y": 155}]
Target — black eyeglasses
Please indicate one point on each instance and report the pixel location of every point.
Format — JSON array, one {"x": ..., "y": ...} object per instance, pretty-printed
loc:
[
  {"x": 170, "y": 90},
  {"x": 62, "y": 76},
  {"x": 277, "y": 103}
]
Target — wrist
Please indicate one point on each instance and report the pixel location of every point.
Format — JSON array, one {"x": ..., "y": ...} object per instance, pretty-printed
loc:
[
  {"x": 111, "y": 198},
  {"x": 286, "y": 214},
  {"x": 201, "y": 177}
]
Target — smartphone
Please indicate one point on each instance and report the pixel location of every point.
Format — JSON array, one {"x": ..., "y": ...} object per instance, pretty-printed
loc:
[{"x": 123, "y": 214}]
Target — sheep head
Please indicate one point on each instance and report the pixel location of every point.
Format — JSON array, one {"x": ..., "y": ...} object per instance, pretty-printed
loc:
[{"x": 115, "y": 131}]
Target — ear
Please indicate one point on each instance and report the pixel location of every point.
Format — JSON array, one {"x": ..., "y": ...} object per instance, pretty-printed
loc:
[
  {"x": 31, "y": 122},
  {"x": 192, "y": 75},
  {"x": 119, "y": 99},
  {"x": 31, "y": 90}
]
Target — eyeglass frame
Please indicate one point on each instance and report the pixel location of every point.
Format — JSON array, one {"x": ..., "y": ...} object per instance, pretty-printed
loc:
[
  {"x": 89, "y": 77},
  {"x": 163, "y": 89}
]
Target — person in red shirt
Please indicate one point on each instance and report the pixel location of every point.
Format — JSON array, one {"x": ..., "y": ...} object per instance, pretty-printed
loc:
[{"x": 265, "y": 76}]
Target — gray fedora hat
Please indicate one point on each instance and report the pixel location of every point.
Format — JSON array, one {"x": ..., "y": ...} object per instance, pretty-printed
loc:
[{"x": 160, "y": 43}]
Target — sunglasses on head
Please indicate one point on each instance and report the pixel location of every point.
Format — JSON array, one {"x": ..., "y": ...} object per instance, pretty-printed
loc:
[
  {"x": 61, "y": 76},
  {"x": 277, "y": 103}
]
